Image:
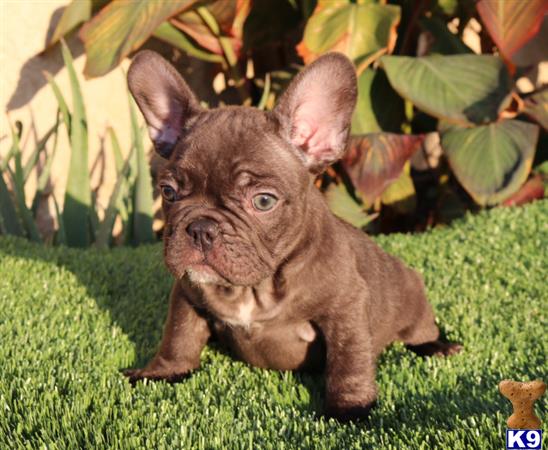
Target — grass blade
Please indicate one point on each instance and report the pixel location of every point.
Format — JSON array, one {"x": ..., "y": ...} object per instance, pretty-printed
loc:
[
  {"x": 126, "y": 213},
  {"x": 60, "y": 236},
  {"x": 19, "y": 193},
  {"x": 44, "y": 176},
  {"x": 123, "y": 196},
  {"x": 40, "y": 146},
  {"x": 142, "y": 210},
  {"x": 7, "y": 160},
  {"x": 9, "y": 223},
  {"x": 228, "y": 52},
  {"x": 14, "y": 145},
  {"x": 118, "y": 158},
  {"x": 127, "y": 220},
  {"x": 266, "y": 93},
  {"x": 76, "y": 213},
  {"x": 65, "y": 114},
  {"x": 93, "y": 216},
  {"x": 104, "y": 233},
  {"x": 26, "y": 216}
]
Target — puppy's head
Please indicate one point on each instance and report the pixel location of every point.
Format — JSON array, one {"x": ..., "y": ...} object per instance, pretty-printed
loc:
[{"x": 237, "y": 180}]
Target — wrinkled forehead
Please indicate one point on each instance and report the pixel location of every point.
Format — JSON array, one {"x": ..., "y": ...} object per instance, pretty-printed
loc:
[{"x": 230, "y": 144}]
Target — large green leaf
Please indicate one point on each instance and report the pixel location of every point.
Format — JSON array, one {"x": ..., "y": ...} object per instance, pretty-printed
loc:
[
  {"x": 344, "y": 206},
  {"x": 379, "y": 107},
  {"x": 121, "y": 27},
  {"x": 142, "y": 209},
  {"x": 76, "y": 212},
  {"x": 459, "y": 88},
  {"x": 360, "y": 31},
  {"x": 512, "y": 23},
  {"x": 375, "y": 160},
  {"x": 491, "y": 161},
  {"x": 75, "y": 13}
]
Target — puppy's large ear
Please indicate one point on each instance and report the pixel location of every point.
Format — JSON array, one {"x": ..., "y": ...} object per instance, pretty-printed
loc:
[
  {"x": 163, "y": 97},
  {"x": 316, "y": 110}
]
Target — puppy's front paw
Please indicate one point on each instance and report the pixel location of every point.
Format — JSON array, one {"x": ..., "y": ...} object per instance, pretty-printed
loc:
[
  {"x": 349, "y": 413},
  {"x": 155, "y": 374}
]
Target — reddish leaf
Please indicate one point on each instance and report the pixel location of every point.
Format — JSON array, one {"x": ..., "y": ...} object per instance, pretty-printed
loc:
[
  {"x": 531, "y": 190},
  {"x": 192, "y": 25},
  {"x": 375, "y": 160},
  {"x": 243, "y": 8},
  {"x": 122, "y": 27},
  {"x": 512, "y": 23},
  {"x": 229, "y": 14}
]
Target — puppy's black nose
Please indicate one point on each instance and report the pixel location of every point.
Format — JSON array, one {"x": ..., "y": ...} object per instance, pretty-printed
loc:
[{"x": 203, "y": 233}]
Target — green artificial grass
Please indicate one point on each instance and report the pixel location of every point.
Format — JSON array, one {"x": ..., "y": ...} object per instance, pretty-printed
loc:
[{"x": 71, "y": 319}]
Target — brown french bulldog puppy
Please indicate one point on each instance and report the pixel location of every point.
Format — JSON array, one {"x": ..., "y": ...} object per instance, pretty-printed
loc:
[{"x": 259, "y": 260}]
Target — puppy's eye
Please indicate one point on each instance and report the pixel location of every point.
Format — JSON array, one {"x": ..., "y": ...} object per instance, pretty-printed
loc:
[
  {"x": 264, "y": 202},
  {"x": 168, "y": 193}
]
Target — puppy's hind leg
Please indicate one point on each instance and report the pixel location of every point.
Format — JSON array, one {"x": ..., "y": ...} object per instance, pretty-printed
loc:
[
  {"x": 422, "y": 336},
  {"x": 436, "y": 348}
]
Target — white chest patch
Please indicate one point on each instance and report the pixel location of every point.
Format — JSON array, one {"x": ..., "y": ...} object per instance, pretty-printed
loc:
[{"x": 243, "y": 315}]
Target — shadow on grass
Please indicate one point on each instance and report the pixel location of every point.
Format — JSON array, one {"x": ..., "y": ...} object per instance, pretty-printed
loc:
[
  {"x": 133, "y": 286},
  {"x": 437, "y": 408}
]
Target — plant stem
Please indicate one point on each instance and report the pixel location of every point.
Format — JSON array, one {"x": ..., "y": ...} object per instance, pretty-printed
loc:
[{"x": 228, "y": 52}]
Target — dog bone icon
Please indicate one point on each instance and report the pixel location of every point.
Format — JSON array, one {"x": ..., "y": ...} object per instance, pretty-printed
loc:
[{"x": 523, "y": 397}]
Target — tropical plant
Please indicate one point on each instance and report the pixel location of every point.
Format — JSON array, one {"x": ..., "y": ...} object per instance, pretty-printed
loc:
[
  {"x": 438, "y": 128},
  {"x": 472, "y": 97},
  {"x": 78, "y": 224}
]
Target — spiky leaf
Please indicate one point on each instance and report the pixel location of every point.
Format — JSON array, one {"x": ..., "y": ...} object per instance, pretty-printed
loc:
[{"x": 76, "y": 212}]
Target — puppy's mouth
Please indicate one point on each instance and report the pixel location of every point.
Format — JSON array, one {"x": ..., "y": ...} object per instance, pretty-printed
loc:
[
  {"x": 224, "y": 263},
  {"x": 204, "y": 273}
]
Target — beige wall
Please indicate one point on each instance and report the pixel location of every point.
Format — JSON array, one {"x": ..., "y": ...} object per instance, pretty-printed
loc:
[{"x": 25, "y": 95}]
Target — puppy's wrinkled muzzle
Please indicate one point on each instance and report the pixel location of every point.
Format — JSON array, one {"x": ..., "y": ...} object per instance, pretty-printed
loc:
[{"x": 203, "y": 233}]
